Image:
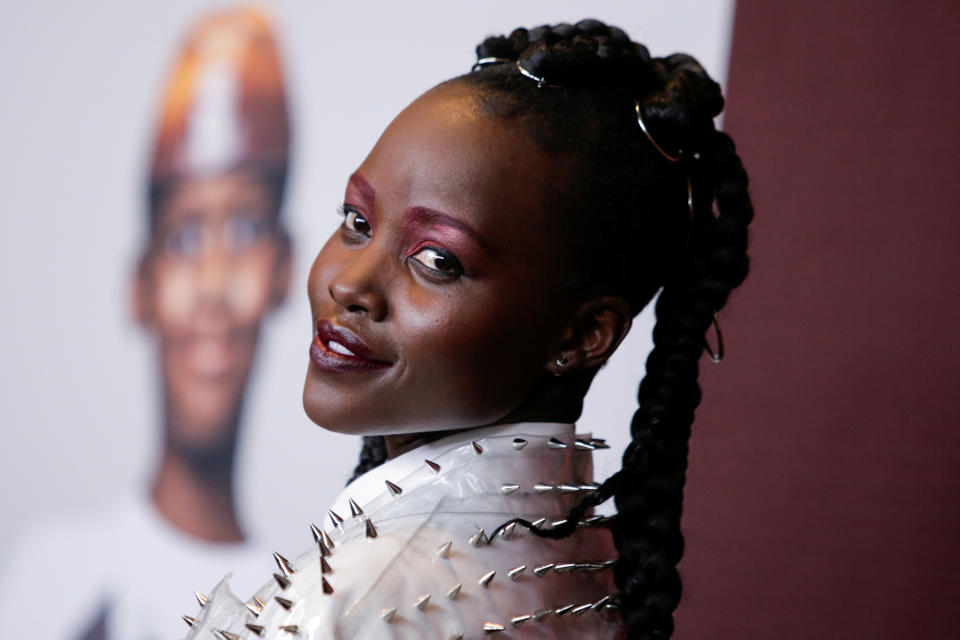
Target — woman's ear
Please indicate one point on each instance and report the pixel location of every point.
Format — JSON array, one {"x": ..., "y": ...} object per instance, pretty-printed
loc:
[
  {"x": 282, "y": 271},
  {"x": 599, "y": 326}
]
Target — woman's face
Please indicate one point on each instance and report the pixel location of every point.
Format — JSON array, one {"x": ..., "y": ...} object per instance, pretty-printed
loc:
[
  {"x": 438, "y": 303},
  {"x": 215, "y": 268}
]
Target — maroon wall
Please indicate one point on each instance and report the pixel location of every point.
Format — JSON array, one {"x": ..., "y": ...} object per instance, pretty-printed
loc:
[{"x": 824, "y": 490}]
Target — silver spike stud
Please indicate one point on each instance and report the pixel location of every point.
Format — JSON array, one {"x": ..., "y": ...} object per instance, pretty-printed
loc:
[
  {"x": 508, "y": 488},
  {"x": 563, "y": 567},
  {"x": 290, "y": 628},
  {"x": 564, "y": 610},
  {"x": 478, "y": 538},
  {"x": 327, "y": 589},
  {"x": 568, "y": 488},
  {"x": 444, "y": 550},
  {"x": 541, "y": 614},
  {"x": 388, "y": 613},
  {"x": 583, "y": 608},
  {"x": 519, "y": 620},
  {"x": 542, "y": 569},
  {"x": 190, "y": 621},
  {"x": 284, "y": 564},
  {"x": 324, "y": 549},
  {"x": 324, "y": 566},
  {"x": 226, "y": 635},
  {"x": 553, "y": 443},
  {"x": 583, "y": 445},
  {"x": 334, "y": 517},
  {"x": 256, "y": 628},
  {"x": 599, "y": 443},
  {"x": 371, "y": 531},
  {"x": 589, "y": 486},
  {"x": 433, "y": 465},
  {"x": 492, "y": 627},
  {"x": 476, "y": 447},
  {"x": 202, "y": 599},
  {"x": 557, "y": 523},
  {"x": 355, "y": 509},
  {"x": 284, "y": 602},
  {"x": 315, "y": 530},
  {"x": 327, "y": 541},
  {"x": 421, "y": 602},
  {"x": 395, "y": 490},
  {"x": 519, "y": 443},
  {"x": 283, "y": 581},
  {"x": 486, "y": 579},
  {"x": 538, "y": 522},
  {"x": 602, "y": 602},
  {"x": 508, "y": 530},
  {"x": 454, "y": 592},
  {"x": 256, "y": 606},
  {"x": 543, "y": 487},
  {"x": 516, "y": 572}
]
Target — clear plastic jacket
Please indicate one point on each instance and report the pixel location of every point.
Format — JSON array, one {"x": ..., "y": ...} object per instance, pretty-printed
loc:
[{"x": 407, "y": 551}]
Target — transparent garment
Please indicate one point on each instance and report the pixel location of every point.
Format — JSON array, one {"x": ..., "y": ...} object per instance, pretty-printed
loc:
[{"x": 416, "y": 560}]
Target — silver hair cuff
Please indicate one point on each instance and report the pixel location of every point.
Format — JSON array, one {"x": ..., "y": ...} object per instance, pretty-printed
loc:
[
  {"x": 643, "y": 128},
  {"x": 482, "y": 62},
  {"x": 540, "y": 80}
]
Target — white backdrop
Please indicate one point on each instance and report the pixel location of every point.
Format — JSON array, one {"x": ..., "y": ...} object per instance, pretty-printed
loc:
[{"x": 79, "y": 85}]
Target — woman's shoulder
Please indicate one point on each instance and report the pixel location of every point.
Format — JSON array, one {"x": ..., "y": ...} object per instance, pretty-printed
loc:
[
  {"x": 427, "y": 558},
  {"x": 432, "y": 582}
]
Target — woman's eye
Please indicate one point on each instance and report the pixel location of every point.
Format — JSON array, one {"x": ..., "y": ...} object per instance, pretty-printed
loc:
[
  {"x": 243, "y": 232},
  {"x": 184, "y": 241},
  {"x": 355, "y": 221},
  {"x": 437, "y": 260}
]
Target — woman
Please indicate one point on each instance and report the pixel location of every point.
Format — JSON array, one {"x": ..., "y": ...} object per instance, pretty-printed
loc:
[
  {"x": 214, "y": 264},
  {"x": 496, "y": 244}
]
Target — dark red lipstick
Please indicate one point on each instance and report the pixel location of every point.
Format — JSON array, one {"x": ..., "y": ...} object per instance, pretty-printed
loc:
[{"x": 337, "y": 349}]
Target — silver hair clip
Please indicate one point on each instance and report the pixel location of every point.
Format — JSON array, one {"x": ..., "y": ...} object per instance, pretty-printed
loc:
[
  {"x": 643, "y": 128},
  {"x": 540, "y": 80},
  {"x": 482, "y": 62}
]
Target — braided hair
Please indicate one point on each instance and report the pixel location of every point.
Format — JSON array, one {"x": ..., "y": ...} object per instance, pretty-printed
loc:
[{"x": 627, "y": 192}]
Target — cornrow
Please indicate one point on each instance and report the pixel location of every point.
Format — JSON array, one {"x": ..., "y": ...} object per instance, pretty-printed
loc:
[{"x": 695, "y": 258}]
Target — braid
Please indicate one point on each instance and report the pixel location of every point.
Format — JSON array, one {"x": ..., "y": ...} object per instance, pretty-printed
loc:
[
  {"x": 695, "y": 259},
  {"x": 372, "y": 454}
]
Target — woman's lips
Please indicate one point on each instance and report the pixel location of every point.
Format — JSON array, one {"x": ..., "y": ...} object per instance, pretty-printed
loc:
[{"x": 337, "y": 349}]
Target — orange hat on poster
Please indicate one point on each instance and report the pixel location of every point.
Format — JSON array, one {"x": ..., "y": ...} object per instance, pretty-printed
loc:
[{"x": 225, "y": 105}]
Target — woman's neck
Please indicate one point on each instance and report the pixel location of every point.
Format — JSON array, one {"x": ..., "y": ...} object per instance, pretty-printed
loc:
[{"x": 201, "y": 504}]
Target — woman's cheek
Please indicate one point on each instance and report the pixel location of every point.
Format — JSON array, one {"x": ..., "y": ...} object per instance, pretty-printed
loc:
[
  {"x": 249, "y": 289},
  {"x": 176, "y": 292}
]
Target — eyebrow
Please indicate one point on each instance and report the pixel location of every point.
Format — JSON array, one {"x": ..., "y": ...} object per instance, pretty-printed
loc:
[
  {"x": 363, "y": 187},
  {"x": 427, "y": 216}
]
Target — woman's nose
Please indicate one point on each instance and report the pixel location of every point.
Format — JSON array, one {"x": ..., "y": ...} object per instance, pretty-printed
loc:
[
  {"x": 358, "y": 287},
  {"x": 213, "y": 275}
]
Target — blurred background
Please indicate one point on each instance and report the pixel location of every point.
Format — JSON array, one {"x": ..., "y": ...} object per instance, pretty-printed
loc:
[{"x": 825, "y": 465}]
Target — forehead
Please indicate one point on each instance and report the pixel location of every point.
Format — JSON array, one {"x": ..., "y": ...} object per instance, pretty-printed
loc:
[
  {"x": 444, "y": 152},
  {"x": 216, "y": 196}
]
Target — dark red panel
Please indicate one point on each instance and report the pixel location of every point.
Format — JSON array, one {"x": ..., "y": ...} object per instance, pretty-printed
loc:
[{"x": 824, "y": 491}]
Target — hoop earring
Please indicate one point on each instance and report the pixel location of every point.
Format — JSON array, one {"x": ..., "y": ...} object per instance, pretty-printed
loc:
[{"x": 716, "y": 356}]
